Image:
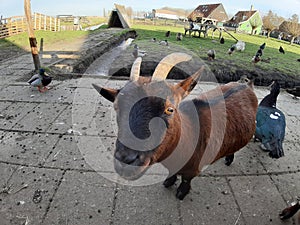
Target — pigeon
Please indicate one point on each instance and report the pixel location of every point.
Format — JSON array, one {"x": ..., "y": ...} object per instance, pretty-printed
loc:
[
  {"x": 211, "y": 54},
  {"x": 222, "y": 40},
  {"x": 40, "y": 80},
  {"x": 281, "y": 50},
  {"x": 270, "y": 123},
  {"x": 138, "y": 53}
]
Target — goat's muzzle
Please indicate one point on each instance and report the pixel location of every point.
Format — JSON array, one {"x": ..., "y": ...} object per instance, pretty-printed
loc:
[{"x": 130, "y": 164}]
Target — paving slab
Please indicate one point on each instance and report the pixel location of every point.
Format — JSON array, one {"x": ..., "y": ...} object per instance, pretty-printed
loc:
[
  {"x": 146, "y": 205},
  {"x": 258, "y": 199},
  {"x": 210, "y": 202},
  {"x": 15, "y": 112},
  {"x": 63, "y": 123},
  {"x": 66, "y": 155},
  {"x": 26, "y": 148},
  {"x": 41, "y": 117},
  {"x": 82, "y": 198},
  {"x": 245, "y": 162},
  {"x": 290, "y": 161},
  {"x": 31, "y": 192}
]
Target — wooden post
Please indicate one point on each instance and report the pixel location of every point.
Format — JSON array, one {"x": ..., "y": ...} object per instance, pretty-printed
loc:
[{"x": 32, "y": 39}]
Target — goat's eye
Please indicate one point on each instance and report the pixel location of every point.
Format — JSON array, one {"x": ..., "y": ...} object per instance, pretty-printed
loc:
[{"x": 169, "y": 110}]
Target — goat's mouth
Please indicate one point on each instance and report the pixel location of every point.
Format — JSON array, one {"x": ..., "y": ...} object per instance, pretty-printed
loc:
[{"x": 132, "y": 170}]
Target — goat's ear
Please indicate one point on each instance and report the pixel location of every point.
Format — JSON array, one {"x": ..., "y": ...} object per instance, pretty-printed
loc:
[
  {"x": 108, "y": 93},
  {"x": 187, "y": 85}
]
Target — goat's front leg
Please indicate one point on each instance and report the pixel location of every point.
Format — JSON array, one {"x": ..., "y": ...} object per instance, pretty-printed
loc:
[{"x": 184, "y": 188}]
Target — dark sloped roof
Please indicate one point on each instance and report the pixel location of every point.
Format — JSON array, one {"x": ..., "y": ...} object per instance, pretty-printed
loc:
[
  {"x": 207, "y": 10},
  {"x": 241, "y": 16}
]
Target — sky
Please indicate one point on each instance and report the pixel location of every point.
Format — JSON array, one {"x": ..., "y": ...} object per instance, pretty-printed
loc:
[{"x": 10, "y": 8}]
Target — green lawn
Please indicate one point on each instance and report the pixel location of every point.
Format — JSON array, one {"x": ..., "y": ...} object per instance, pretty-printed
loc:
[{"x": 286, "y": 64}]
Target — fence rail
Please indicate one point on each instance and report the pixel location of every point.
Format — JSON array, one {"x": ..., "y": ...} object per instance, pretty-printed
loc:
[{"x": 18, "y": 24}]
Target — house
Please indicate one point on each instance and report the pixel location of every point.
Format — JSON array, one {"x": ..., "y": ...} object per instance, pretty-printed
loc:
[
  {"x": 209, "y": 13},
  {"x": 165, "y": 14},
  {"x": 246, "y": 21}
]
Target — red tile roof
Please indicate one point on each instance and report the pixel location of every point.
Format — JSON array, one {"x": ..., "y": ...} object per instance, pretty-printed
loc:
[
  {"x": 241, "y": 16},
  {"x": 207, "y": 10}
]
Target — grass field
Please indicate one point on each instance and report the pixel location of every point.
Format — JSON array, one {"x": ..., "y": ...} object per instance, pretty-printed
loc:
[
  {"x": 283, "y": 63},
  {"x": 286, "y": 64}
]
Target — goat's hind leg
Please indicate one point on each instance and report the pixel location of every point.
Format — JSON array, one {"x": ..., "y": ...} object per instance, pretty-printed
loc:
[
  {"x": 229, "y": 159},
  {"x": 170, "y": 181}
]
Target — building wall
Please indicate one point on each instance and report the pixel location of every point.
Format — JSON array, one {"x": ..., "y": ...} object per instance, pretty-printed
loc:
[
  {"x": 219, "y": 14},
  {"x": 246, "y": 25}
]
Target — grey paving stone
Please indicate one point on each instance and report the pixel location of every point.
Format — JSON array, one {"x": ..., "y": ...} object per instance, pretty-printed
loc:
[
  {"x": 14, "y": 112},
  {"x": 63, "y": 123},
  {"x": 258, "y": 199},
  {"x": 82, "y": 198},
  {"x": 290, "y": 161},
  {"x": 26, "y": 148},
  {"x": 246, "y": 161},
  {"x": 146, "y": 205},
  {"x": 66, "y": 155},
  {"x": 289, "y": 186},
  {"x": 40, "y": 118},
  {"x": 210, "y": 202},
  {"x": 29, "y": 203}
]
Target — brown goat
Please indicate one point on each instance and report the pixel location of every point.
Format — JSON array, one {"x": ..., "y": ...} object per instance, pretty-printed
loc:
[{"x": 154, "y": 125}]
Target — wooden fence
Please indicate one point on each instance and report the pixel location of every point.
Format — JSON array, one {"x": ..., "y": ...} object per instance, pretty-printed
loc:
[{"x": 18, "y": 24}]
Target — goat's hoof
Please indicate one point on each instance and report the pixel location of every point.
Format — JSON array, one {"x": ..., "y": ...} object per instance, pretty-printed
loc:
[
  {"x": 183, "y": 190},
  {"x": 229, "y": 159},
  {"x": 170, "y": 181}
]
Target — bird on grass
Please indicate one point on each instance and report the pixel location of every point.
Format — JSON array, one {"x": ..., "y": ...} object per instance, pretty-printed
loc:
[
  {"x": 288, "y": 212},
  {"x": 259, "y": 53},
  {"x": 262, "y": 47},
  {"x": 40, "y": 80},
  {"x": 153, "y": 39},
  {"x": 165, "y": 43},
  {"x": 168, "y": 33},
  {"x": 231, "y": 49},
  {"x": 295, "y": 91},
  {"x": 211, "y": 54},
  {"x": 270, "y": 123},
  {"x": 222, "y": 40},
  {"x": 281, "y": 50},
  {"x": 240, "y": 46},
  {"x": 179, "y": 36},
  {"x": 138, "y": 53}
]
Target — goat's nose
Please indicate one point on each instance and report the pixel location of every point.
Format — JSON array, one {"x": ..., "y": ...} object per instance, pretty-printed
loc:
[{"x": 126, "y": 156}]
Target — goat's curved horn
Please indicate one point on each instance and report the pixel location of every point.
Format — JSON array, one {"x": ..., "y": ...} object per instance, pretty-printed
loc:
[
  {"x": 135, "y": 69},
  {"x": 166, "y": 64}
]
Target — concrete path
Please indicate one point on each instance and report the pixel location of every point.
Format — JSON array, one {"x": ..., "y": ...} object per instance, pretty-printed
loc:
[{"x": 48, "y": 164}]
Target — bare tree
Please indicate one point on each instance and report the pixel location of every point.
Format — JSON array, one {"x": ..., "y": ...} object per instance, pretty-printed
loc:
[
  {"x": 291, "y": 27},
  {"x": 271, "y": 22}
]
